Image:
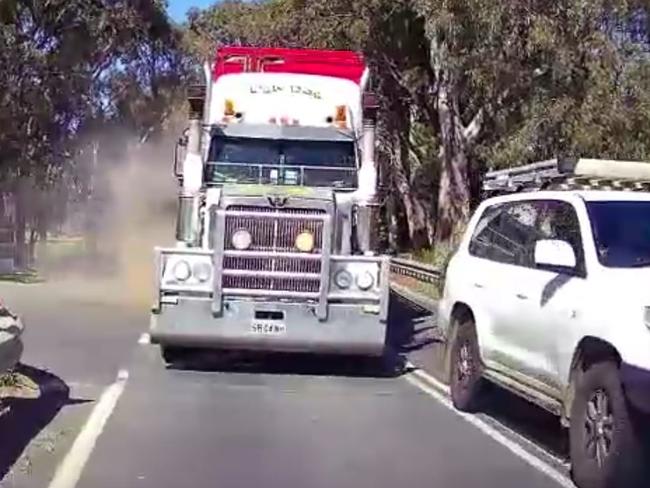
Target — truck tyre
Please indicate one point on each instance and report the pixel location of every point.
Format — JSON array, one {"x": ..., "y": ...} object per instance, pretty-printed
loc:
[
  {"x": 171, "y": 354},
  {"x": 466, "y": 368},
  {"x": 604, "y": 448}
]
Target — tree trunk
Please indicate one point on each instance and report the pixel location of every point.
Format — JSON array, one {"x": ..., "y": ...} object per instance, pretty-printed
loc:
[
  {"x": 454, "y": 194},
  {"x": 20, "y": 226},
  {"x": 416, "y": 214}
]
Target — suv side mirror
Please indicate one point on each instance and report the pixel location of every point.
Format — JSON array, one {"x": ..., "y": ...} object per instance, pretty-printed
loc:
[{"x": 554, "y": 253}]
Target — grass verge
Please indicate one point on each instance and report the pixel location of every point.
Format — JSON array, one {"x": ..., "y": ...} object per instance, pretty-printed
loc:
[{"x": 27, "y": 277}]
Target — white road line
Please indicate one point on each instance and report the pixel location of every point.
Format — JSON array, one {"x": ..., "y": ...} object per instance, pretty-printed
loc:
[
  {"x": 69, "y": 471},
  {"x": 423, "y": 375},
  {"x": 493, "y": 433},
  {"x": 145, "y": 338},
  {"x": 442, "y": 387}
]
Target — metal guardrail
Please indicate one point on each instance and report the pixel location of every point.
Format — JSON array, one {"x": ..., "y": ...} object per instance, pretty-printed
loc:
[{"x": 413, "y": 269}]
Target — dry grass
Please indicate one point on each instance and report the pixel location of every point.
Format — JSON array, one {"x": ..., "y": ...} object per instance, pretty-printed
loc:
[{"x": 14, "y": 384}]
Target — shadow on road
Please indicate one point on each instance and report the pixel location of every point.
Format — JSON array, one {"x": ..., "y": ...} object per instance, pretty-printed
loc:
[
  {"x": 410, "y": 327},
  {"x": 528, "y": 420},
  {"x": 26, "y": 417},
  {"x": 407, "y": 330},
  {"x": 418, "y": 339},
  {"x": 388, "y": 366}
]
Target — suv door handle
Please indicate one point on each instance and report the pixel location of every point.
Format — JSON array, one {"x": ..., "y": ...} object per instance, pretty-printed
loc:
[
  {"x": 521, "y": 296},
  {"x": 478, "y": 285}
]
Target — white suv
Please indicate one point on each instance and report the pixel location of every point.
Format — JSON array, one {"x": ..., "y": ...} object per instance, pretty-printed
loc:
[{"x": 548, "y": 295}]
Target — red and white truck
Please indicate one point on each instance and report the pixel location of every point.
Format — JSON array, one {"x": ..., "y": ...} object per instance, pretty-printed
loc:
[{"x": 276, "y": 228}]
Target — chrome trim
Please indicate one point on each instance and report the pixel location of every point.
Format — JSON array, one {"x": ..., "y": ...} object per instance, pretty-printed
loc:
[
  {"x": 367, "y": 297},
  {"x": 271, "y": 274},
  {"x": 263, "y": 254},
  {"x": 184, "y": 250},
  {"x": 321, "y": 311},
  {"x": 217, "y": 263},
  {"x": 274, "y": 215},
  {"x": 204, "y": 288},
  {"x": 384, "y": 284},
  {"x": 357, "y": 259},
  {"x": 269, "y": 293},
  {"x": 157, "y": 282}
]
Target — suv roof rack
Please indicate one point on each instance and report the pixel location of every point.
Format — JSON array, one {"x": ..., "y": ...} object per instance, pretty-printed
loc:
[{"x": 569, "y": 174}]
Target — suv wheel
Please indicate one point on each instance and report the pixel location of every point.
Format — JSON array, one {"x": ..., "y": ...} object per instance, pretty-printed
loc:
[
  {"x": 604, "y": 449},
  {"x": 466, "y": 382}
]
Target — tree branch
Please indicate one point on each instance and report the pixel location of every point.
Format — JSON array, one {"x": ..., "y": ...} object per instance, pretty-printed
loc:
[{"x": 473, "y": 129}]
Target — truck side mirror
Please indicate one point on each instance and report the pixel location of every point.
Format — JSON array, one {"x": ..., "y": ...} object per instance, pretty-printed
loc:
[{"x": 554, "y": 253}]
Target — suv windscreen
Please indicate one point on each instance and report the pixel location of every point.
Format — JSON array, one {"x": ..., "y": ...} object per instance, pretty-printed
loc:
[
  {"x": 281, "y": 162},
  {"x": 621, "y": 231}
]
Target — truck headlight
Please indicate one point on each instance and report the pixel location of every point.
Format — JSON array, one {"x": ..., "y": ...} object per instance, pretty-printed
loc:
[
  {"x": 241, "y": 239},
  {"x": 202, "y": 271},
  {"x": 343, "y": 279},
  {"x": 182, "y": 271},
  {"x": 305, "y": 241},
  {"x": 365, "y": 280}
]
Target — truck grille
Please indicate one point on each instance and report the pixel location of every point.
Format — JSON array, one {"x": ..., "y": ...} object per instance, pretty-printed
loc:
[
  {"x": 273, "y": 231},
  {"x": 278, "y": 231}
]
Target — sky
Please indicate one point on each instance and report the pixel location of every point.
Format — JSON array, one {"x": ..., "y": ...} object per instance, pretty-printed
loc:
[{"x": 178, "y": 8}]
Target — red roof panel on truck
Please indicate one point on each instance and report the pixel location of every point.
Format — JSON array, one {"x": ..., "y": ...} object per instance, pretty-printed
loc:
[{"x": 339, "y": 64}]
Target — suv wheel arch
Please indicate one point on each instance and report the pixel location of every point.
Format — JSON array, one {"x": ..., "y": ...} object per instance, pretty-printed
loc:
[{"x": 589, "y": 350}]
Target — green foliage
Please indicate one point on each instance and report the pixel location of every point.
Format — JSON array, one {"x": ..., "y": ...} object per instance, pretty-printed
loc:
[{"x": 464, "y": 84}]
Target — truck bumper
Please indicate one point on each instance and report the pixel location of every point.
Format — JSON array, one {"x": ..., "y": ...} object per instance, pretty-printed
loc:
[
  {"x": 636, "y": 382},
  {"x": 349, "y": 328}
]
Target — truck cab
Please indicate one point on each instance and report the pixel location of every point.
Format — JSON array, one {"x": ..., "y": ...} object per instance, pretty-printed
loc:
[{"x": 276, "y": 225}]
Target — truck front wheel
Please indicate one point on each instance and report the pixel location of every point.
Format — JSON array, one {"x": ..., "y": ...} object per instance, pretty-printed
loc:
[
  {"x": 604, "y": 446},
  {"x": 171, "y": 354}
]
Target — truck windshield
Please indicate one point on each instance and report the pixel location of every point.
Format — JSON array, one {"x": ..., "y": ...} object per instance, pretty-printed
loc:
[
  {"x": 281, "y": 162},
  {"x": 621, "y": 230}
]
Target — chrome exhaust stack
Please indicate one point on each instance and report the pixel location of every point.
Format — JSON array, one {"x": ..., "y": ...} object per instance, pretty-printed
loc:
[{"x": 367, "y": 208}]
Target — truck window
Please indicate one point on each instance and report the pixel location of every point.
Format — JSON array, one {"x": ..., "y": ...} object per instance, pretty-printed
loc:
[
  {"x": 241, "y": 160},
  {"x": 621, "y": 231},
  {"x": 241, "y": 150},
  {"x": 319, "y": 153}
]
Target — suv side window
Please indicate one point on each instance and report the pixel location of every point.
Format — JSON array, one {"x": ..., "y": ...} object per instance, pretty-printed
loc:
[
  {"x": 506, "y": 233},
  {"x": 559, "y": 220}
]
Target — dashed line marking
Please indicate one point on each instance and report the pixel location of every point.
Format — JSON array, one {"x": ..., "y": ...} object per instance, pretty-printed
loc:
[
  {"x": 145, "y": 338},
  {"x": 69, "y": 471}
]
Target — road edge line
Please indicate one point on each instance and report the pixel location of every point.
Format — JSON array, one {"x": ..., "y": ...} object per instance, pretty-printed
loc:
[
  {"x": 69, "y": 471},
  {"x": 443, "y": 388},
  {"x": 533, "y": 461}
]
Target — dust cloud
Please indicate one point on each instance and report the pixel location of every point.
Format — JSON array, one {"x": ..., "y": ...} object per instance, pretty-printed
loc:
[{"x": 133, "y": 212}]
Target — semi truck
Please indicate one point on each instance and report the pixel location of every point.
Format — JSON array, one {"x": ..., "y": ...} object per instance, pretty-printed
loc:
[{"x": 276, "y": 235}]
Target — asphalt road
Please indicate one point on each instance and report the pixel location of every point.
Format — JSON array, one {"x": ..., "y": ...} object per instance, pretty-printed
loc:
[{"x": 272, "y": 422}]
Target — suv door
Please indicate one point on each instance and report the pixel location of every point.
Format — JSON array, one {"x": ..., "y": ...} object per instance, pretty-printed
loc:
[
  {"x": 500, "y": 245},
  {"x": 540, "y": 302},
  {"x": 549, "y": 300}
]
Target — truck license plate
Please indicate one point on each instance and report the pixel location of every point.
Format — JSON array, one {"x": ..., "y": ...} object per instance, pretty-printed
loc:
[{"x": 268, "y": 328}]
